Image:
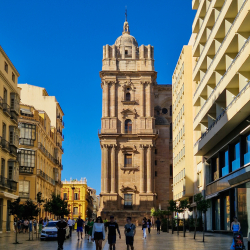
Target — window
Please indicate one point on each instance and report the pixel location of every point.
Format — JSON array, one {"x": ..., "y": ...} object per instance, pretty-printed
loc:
[
  {"x": 6, "y": 67},
  {"x": 171, "y": 170},
  {"x": 236, "y": 162},
  {"x": 75, "y": 211},
  {"x": 14, "y": 135},
  {"x": 156, "y": 151},
  {"x": 13, "y": 77},
  {"x": 24, "y": 189},
  {"x": 65, "y": 196},
  {"x": 76, "y": 197},
  {"x": 156, "y": 162},
  {"x": 128, "y": 160},
  {"x": 224, "y": 162},
  {"x": 128, "y": 126},
  {"x": 4, "y": 131},
  {"x": 155, "y": 173},
  {"x": 10, "y": 174},
  {"x": 198, "y": 180},
  {"x": 5, "y": 95},
  {"x": 127, "y": 96},
  {"x": 26, "y": 158},
  {"x": 27, "y": 131},
  {"x": 128, "y": 200},
  {"x": 2, "y": 167},
  {"x": 247, "y": 150}
]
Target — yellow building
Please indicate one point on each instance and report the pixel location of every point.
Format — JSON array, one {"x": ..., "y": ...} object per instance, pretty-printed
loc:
[
  {"x": 76, "y": 194},
  {"x": 9, "y": 111},
  {"x": 221, "y": 100},
  {"x": 39, "y": 158},
  {"x": 183, "y": 177}
]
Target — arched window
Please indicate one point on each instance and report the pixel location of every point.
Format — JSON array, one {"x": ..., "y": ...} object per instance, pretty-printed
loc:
[
  {"x": 128, "y": 96},
  {"x": 128, "y": 126}
]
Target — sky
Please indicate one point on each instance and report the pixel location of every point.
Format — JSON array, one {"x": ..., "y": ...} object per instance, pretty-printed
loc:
[{"x": 57, "y": 44}]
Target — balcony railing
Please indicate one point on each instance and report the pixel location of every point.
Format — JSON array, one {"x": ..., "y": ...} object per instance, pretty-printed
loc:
[
  {"x": 26, "y": 170},
  {"x": 7, "y": 183},
  {"x": 24, "y": 195},
  {"x": 45, "y": 176},
  {"x": 5, "y": 145},
  {"x": 1, "y": 102},
  {"x": 46, "y": 152},
  {"x": 60, "y": 118},
  {"x": 14, "y": 116},
  {"x": 24, "y": 141},
  {"x": 58, "y": 145},
  {"x": 6, "y": 109},
  {"x": 60, "y": 132},
  {"x": 15, "y": 106},
  {"x": 13, "y": 150}
]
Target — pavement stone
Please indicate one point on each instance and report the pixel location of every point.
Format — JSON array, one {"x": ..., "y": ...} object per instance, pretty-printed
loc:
[{"x": 153, "y": 242}]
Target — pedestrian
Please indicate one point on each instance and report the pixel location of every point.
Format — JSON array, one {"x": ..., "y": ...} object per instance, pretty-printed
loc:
[
  {"x": 144, "y": 228},
  {"x": 70, "y": 224},
  {"x": 98, "y": 233},
  {"x": 35, "y": 225},
  {"x": 90, "y": 227},
  {"x": 235, "y": 227},
  {"x": 86, "y": 226},
  {"x": 61, "y": 226},
  {"x": 149, "y": 225},
  {"x": 22, "y": 224},
  {"x": 40, "y": 225},
  {"x": 45, "y": 222},
  {"x": 130, "y": 231},
  {"x": 112, "y": 226},
  {"x": 30, "y": 226},
  {"x": 158, "y": 225},
  {"x": 25, "y": 226},
  {"x": 19, "y": 225},
  {"x": 74, "y": 222},
  {"x": 80, "y": 225}
]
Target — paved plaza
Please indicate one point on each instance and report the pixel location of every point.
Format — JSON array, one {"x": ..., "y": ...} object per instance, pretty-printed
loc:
[{"x": 153, "y": 242}]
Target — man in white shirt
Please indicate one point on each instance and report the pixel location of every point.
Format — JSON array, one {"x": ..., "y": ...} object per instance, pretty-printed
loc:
[{"x": 71, "y": 224}]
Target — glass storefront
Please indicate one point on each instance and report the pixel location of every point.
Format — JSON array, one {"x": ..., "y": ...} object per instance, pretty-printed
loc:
[
  {"x": 247, "y": 154},
  {"x": 225, "y": 169},
  {"x": 236, "y": 162}
]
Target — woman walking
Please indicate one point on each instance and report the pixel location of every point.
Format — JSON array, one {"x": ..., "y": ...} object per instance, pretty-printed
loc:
[
  {"x": 144, "y": 227},
  {"x": 149, "y": 225},
  {"x": 98, "y": 233},
  {"x": 235, "y": 227}
]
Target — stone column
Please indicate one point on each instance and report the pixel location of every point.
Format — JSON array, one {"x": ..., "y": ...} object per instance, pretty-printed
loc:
[
  {"x": 106, "y": 99},
  {"x": 149, "y": 170},
  {"x": 106, "y": 164},
  {"x": 112, "y": 99},
  {"x": 113, "y": 169},
  {"x": 142, "y": 188},
  {"x": 148, "y": 98},
  {"x": 142, "y": 100},
  {"x": 102, "y": 171}
]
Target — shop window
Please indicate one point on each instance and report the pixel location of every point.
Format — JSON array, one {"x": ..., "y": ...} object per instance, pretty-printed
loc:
[
  {"x": 128, "y": 160},
  {"x": 128, "y": 200},
  {"x": 225, "y": 168},
  {"x": 128, "y": 126},
  {"x": 247, "y": 154},
  {"x": 236, "y": 161}
]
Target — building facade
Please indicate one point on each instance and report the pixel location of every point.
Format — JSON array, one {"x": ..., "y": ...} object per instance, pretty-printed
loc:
[
  {"x": 221, "y": 100},
  {"x": 9, "y": 111},
  {"x": 76, "y": 194},
  {"x": 183, "y": 174},
  {"x": 95, "y": 203},
  {"x": 39, "y": 158},
  {"x": 135, "y": 136}
]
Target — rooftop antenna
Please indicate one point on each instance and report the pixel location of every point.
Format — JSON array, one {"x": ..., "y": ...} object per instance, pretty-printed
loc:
[{"x": 126, "y": 14}]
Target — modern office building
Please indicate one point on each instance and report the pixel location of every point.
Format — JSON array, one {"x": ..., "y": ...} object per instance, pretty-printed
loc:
[
  {"x": 136, "y": 132},
  {"x": 76, "y": 194},
  {"x": 39, "y": 157},
  {"x": 183, "y": 174},
  {"x": 221, "y": 100},
  {"x": 9, "y": 111}
]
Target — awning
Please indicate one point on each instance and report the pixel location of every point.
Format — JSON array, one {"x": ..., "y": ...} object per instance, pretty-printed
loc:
[
  {"x": 26, "y": 111},
  {"x": 212, "y": 195},
  {"x": 9, "y": 195}
]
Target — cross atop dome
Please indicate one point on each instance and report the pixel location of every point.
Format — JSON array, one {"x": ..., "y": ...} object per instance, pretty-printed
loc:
[{"x": 126, "y": 25}]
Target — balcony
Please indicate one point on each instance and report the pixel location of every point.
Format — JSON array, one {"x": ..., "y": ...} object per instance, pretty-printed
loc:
[
  {"x": 60, "y": 119},
  {"x": 129, "y": 167},
  {"x": 7, "y": 183},
  {"x": 45, "y": 177},
  {"x": 5, "y": 145},
  {"x": 26, "y": 170},
  {"x": 24, "y": 195},
  {"x": 130, "y": 102},
  {"x": 6, "y": 109},
  {"x": 15, "y": 105},
  {"x": 1, "y": 102},
  {"x": 60, "y": 146},
  {"x": 46, "y": 153},
  {"x": 24, "y": 141},
  {"x": 13, "y": 150},
  {"x": 60, "y": 132},
  {"x": 14, "y": 116}
]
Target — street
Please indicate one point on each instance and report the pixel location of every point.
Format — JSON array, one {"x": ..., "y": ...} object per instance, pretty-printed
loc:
[{"x": 153, "y": 242}]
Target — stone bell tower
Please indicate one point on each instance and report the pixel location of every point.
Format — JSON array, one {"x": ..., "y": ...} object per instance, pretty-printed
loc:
[{"x": 128, "y": 135}]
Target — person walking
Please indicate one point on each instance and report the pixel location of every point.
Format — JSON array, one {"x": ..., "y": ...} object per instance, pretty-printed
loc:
[
  {"x": 235, "y": 227},
  {"x": 158, "y": 225},
  {"x": 144, "y": 227},
  {"x": 98, "y": 233},
  {"x": 130, "y": 231},
  {"x": 80, "y": 225},
  {"x": 40, "y": 225},
  {"x": 25, "y": 226},
  {"x": 149, "y": 225},
  {"x": 86, "y": 226},
  {"x": 90, "y": 227},
  {"x": 70, "y": 224},
  {"x": 35, "y": 225},
  {"x": 61, "y": 226},
  {"x": 112, "y": 226}
]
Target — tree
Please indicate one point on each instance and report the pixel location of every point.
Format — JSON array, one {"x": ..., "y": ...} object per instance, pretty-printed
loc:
[
  {"x": 197, "y": 199},
  {"x": 39, "y": 200},
  {"x": 57, "y": 206},
  {"x": 183, "y": 206},
  {"x": 172, "y": 208},
  {"x": 203, "y": 205},
  {"x": 16, "y": 209}
]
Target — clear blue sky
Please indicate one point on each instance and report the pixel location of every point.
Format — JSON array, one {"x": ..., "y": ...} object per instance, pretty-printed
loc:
[{"x": 57, "y": 44}]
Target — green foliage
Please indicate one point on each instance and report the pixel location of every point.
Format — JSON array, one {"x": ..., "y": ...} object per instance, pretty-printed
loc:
[
  {"x": 202, "y": 204},
  {"x": 30, "y": 209},
  {"x": 184, "y": 204},
  {"x": 172, "y": 206},
  {"x": 152, "y": 211},
  {"x": 39, "y": 198},
  {"x": 57, "y": 206},
  {"x": 16, "y": 209}
]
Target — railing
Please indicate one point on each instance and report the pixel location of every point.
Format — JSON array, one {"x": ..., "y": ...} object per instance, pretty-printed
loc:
[
  {"x": 24, "y": 141},
  {"x": 14, "y": 116},
  {"x": 15, "y": 106},
  {"x": 13, "y": 150},
  {"x": 26, "y": 170},
  {"x": 6, "y": 109},
  {"x": 24, "y": 195},
  {"x": 60, "y": 132},
  {"x": 229, "y": 68},
  {"x": 222, "y": 114},
  {"x": 1, "y": 102},
  {"x": 60, "y": 118},
  {"x": 58, "y": 145},
  {"x": 45, "y": 176},
  {"x": 5, "y": 144},
  {"x": 46, "y": 152},
  {"x": 5, "y": 182},
  {"x": 220, "y": 45}
]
